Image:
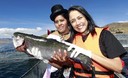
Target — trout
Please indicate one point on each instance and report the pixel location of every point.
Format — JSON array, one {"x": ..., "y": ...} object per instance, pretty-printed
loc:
[{"x": 43, "y": 48}]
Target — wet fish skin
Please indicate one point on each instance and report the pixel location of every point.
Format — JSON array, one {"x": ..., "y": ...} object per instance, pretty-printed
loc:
[{"x": 45, "y": 47}]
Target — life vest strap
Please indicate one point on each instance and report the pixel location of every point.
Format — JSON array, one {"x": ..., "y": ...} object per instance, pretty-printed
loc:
[
  {"x": 96, "y": 72},
  {"x": 104, "y": 73},
  {"x": 77, "y": 76}
]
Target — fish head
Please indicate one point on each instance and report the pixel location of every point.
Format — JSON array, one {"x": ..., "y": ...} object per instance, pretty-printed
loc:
[{"x": 18, "y": 39}]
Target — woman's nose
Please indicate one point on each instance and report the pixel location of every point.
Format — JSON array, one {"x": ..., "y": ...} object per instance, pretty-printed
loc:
[
  {"x": 59, "y": 22},
  {"x": 77, "y": 22}
]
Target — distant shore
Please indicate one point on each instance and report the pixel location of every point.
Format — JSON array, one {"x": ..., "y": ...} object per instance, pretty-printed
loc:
[
  {"x": 118, "y": 28},
  {"x": 5, "y": 40}
]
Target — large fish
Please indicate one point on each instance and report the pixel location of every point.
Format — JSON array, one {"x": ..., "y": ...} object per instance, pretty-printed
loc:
[{"x": 43, "y": 48}]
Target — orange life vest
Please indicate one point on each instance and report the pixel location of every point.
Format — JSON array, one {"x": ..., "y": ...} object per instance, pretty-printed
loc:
[{"x": 92, "y": 44}]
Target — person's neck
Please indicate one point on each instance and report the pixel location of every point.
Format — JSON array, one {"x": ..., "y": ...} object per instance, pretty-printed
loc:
[
  {"x": 65, "y": 36},
  {"x": 85, "y": 33},
  {"x": 65, "y": 33}
]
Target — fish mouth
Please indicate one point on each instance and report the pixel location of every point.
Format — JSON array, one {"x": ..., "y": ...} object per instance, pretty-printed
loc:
[
  {"x": 18, "y": 41},
  {"x": 22, "y": 47}
]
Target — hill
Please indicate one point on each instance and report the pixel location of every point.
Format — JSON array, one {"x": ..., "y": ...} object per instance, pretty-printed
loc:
[{"x": 119, "y": 27}]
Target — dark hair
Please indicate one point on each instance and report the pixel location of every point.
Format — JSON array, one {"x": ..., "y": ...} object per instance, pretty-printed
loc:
[
  {"x": 58, "y": 10},
  {"x": 91, "y": 23}
]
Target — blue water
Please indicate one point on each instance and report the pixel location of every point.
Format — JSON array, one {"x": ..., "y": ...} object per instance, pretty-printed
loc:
[
  {"x": 15, "y": 64},
  {"x": 123, "y": 38}
]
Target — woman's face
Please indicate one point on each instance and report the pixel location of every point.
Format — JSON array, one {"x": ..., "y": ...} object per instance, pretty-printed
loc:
[
  {"x": 78, "y": 21},
  {"x": 61, "y": 24}
]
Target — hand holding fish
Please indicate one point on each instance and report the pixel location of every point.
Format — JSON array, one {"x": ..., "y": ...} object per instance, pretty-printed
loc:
[
  {"x": 69, "y": 62},
  {"x": 78, "y": 50},
  {"x": 59, "y": 55},
  {"x": 62, "y": 57}
]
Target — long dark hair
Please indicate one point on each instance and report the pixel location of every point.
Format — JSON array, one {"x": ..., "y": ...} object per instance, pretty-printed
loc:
[{"x": 91, "y": 23}]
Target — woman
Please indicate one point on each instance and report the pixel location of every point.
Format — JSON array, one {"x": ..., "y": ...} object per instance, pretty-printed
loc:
[
  {"x": 59, "y": 16},
  {"x": 105, "y": 48},
  {"x": 98, "y": 43}
]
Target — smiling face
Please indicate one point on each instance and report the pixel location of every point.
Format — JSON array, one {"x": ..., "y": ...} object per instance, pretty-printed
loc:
[
  {"x": 78, "y": 21},
  {"x": 61, "y": 24}
]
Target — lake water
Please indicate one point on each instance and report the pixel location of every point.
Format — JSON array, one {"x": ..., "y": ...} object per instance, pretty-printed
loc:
[
  {"x": 15, "y": 64},
  {"x": 123, "y": 38}
]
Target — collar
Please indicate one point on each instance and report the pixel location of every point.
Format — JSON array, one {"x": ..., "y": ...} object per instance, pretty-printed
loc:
[
  {"x": 65, "y": 36},
  {"x": 84, "y": 37}
]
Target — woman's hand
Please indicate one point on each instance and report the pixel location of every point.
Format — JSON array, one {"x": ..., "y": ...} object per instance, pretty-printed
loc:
[{"x": 61, "y": 58}]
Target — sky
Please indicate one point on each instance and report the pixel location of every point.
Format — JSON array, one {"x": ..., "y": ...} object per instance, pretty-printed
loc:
[{"x": 32, "y": 16}]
